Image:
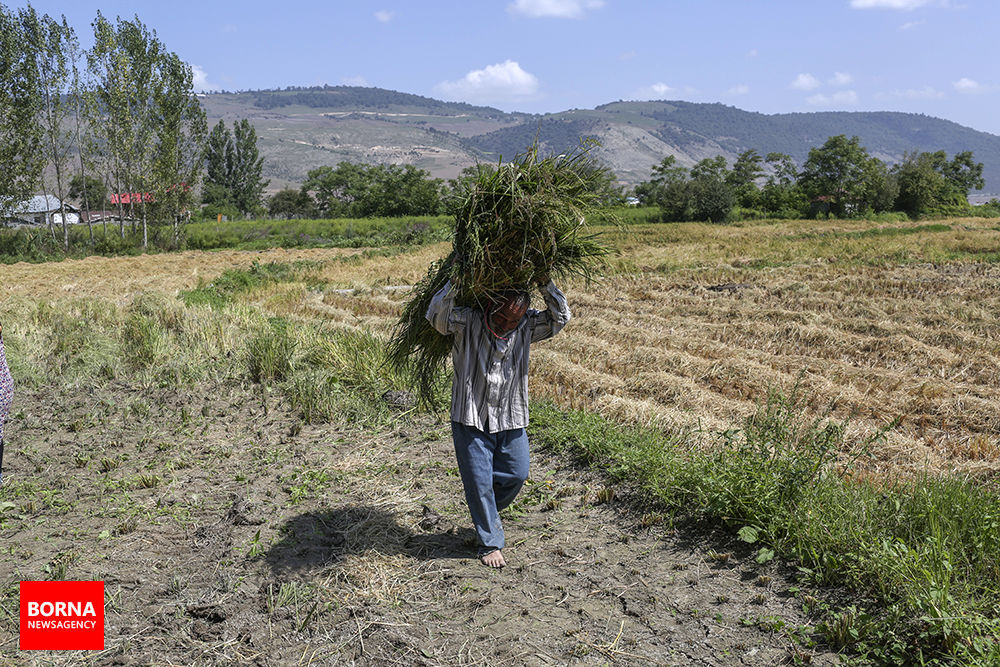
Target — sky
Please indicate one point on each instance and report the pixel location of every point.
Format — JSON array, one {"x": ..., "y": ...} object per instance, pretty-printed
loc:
[{"x": 936, "y": 57}]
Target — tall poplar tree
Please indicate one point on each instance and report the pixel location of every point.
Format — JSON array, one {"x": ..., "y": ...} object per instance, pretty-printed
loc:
[
  {"x": 20, "y": 132},
  {"x": 248, "y": 166},
  {"x": 49, "y": 43},
  {"x": 146, "y": 120},
  {"x": 123, "y": 64},
  {"x": 84, "y": 139},
  {"x": 109, "y": 110},
  {"x": 219, "y": 168},
  {"x": 234, "y": 167},
  {"x": 179, "y": 142}
]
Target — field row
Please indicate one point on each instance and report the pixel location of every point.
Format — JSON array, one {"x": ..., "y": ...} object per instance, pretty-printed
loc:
[{"x": 682, "y": 338}]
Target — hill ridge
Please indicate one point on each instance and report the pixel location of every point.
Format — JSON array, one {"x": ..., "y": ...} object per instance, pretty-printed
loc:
[{"x": 301, "y": 128}]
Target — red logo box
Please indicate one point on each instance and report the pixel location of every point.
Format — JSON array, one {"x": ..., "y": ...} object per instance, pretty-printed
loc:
[{"x": 62, "y": 616}]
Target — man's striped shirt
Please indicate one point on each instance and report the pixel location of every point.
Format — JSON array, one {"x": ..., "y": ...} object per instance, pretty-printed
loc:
[{"x": 490, "y": 387}]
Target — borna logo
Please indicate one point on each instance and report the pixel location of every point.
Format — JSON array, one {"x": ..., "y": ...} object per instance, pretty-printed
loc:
[
  {"x": 68, "y": 615},
  {"x": 62, "y": 615}
]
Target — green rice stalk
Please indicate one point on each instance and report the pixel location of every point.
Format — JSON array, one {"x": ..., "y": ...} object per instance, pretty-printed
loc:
[{"x": 519, "y": 223}]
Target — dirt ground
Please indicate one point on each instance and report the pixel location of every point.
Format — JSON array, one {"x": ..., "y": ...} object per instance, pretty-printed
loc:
[{"x": 227, "y": 531}]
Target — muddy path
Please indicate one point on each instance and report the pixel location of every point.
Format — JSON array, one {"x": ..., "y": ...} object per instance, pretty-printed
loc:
[{"x": 227, "y": 530}]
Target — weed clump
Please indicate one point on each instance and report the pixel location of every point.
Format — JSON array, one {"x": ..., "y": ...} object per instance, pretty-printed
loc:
[{"x": 516, "y": 224}]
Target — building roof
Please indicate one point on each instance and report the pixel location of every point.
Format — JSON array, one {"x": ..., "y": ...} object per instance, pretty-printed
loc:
[{"x": 39, "y": 204}]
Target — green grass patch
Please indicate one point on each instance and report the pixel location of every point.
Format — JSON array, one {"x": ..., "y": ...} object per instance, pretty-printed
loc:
[
  {"x": 925, "y": 551},
  {"x": 338, "y": 233},
  {"x": 876, "y": 232},
  {"x": 234, "y": 282},
  {"x": 37, "y": 244}
]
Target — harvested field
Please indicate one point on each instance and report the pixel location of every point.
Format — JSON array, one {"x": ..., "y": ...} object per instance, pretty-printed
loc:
[
  {"x": 277, "y": 514},
  {"x": 698, "y": 322},
  {"x": 122, "y": 278},
  {"x": 873, "y": 345}
]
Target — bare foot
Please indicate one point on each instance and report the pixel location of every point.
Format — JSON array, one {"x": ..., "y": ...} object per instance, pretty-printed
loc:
[{"x": 493, "y": 559}]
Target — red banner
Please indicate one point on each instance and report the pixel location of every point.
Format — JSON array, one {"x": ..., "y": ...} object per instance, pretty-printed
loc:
[{"x": 132, "y": 198}]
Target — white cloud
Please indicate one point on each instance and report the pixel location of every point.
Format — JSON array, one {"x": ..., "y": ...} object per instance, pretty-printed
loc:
[
  {"x": 657, "y": 90},
  {"x": 805, "y": 81},
  {"x": 739, "y": 89},
  {"x": 355, "y": 81},
  {"x": 384, "y": 15},
  {"x": 910, "y": 25},
  {"x": 563, "y": 9},
  {"x": 841, "y": 98},
  {"x": 967, "y": 85},
  {"x": 905, "y": 5},
  {"x": 628, "y": 55},
  {"x": 201, "y": 82},
  {"x": 503, "y": 81},
  {"x": 841, "y": 79},
  {"x": 752, "y": 53}
]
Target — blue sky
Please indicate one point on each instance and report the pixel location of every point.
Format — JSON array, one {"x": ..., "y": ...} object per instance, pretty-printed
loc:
[{"x": 936, "y": 57}]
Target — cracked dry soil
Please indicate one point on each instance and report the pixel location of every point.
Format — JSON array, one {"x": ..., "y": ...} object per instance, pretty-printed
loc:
[{"x": 227, "y": 530}]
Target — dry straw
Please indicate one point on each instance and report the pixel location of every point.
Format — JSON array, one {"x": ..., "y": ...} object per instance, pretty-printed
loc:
[{"x": 517, "y": 224}]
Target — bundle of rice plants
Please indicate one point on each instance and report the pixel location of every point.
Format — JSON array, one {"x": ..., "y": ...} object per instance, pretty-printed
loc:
[{"x": 516, "y": 224}]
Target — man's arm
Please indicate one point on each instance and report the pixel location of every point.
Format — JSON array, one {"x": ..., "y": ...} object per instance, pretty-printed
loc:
[
  {"x": 547, "y": 323},
  {"x": 443, "y": 314}
]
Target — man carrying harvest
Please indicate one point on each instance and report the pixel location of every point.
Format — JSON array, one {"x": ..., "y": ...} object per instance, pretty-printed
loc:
[{"x": 489, "y": 398}]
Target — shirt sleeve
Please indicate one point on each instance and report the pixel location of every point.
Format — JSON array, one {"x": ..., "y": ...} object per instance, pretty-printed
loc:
[
  {"x": 444, "y": 315},
  {"x": 547, "y": 323}
]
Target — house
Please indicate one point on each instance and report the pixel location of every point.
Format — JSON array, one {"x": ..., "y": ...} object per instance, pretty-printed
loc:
[
  {"x": 104, "y": 216},
  {"x": 39, "y": 210}
]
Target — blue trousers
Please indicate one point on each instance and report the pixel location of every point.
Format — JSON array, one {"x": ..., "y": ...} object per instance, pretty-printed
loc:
[{"x": 493, "y": 468}]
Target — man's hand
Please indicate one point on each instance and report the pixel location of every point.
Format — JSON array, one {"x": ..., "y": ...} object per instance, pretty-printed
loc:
[{"x": 542, "y": 280}]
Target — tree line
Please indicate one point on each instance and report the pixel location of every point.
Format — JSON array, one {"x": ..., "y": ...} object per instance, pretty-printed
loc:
[
  {"x": 839, "y": 178},
  {"x": 121, "y": 116},
  {"x": 352, "y": 190}
]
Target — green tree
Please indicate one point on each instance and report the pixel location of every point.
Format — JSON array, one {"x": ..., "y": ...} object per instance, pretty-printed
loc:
[
  {"x": 361, "y": 191},
  {"x": 880, "y": 190},
  {"x": 248, "y": 166},
  {"x": 179, "y": 143},
  {"x": 88, "y": 190},
  {"x": 394, "y": 190},
  {"x": 964, "y": 173},
  {"x": 48, "y": 43},
  {"x": 711, "y": 197},
  {"x": 742, "y": 179},
  {"x": 121, "y": 64},
  {"x": 21, "y": 136},
  {"x": 289, "y": 203},
  {"x": 84, "y": 137},
  {"x": 147, "y": 125},
  {"x": 928, "y": 181},
  {"x": 219, "y": 169},
  {"x": 668, "y": 189},
  {"x": 783, "y": 170},
  {"x": 234, "y": 168},
  {"x": 781, "y": 195},
  {"x": 920, "y": 182},
  {"x": 836, "y": 172},
  {"x": 335, "y": 189}
]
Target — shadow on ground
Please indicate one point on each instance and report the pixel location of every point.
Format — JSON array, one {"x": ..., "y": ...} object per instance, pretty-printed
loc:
[{"x": 316, "y": 539}]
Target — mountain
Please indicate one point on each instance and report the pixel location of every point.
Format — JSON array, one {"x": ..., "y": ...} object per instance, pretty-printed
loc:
[{"x": 303, "y": 128}]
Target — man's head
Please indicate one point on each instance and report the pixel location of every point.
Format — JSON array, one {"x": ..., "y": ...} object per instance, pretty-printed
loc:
[{"x": 504, "y": 315}]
